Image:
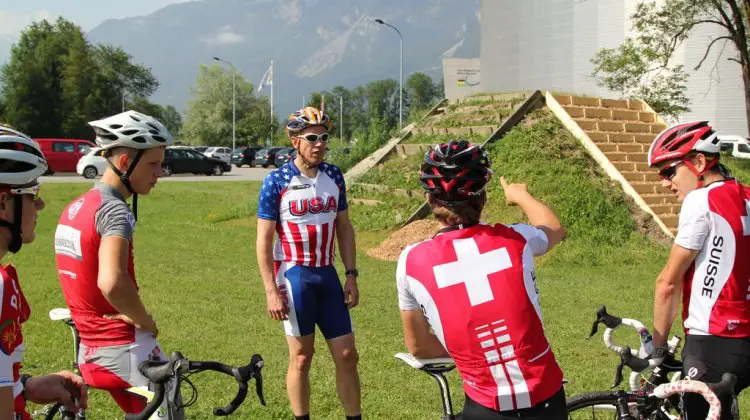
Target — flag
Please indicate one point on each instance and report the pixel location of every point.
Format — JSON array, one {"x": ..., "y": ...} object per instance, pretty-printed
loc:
[{"x": 267, "y": 79}]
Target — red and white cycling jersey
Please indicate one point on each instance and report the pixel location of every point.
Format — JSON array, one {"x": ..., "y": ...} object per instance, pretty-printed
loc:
[
  {"x": 477, "y": 288},
  {"x": 77, "y": 256},
  {"x": 716, "y": 296},
  {"x": 14, "y": 311}
]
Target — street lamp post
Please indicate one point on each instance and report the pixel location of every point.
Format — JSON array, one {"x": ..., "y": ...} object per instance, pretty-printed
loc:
[
  {"x": 401, "y": 74},
  {"x": 234, "y": 102}
]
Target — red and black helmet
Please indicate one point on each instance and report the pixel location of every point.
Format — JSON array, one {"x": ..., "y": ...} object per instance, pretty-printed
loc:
[
  {"x": 679, "y": 140},
  {"x": 455, "y": 171}
]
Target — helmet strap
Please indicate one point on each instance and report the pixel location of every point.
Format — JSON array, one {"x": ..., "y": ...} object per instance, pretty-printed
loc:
[
  {"x": 15, "y": 227},
  {"x": 125, "y": 178},
  {"x": 305, "y": 162},
  {"x": 700, "y": 174}
]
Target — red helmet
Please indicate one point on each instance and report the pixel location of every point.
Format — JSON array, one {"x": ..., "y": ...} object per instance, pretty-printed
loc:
[
  {"x": 455, "y": 171},
  {"x": 679, "y": 140}
]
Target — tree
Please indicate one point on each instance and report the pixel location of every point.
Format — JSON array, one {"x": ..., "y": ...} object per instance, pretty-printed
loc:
[
  {"x": 172, "y": 120},
  {"x": 118, "y": 79},
  {"x": 643, "y": 62},
  {"x": 209, "y": 117},
  {"x": 382, "y": 102},
  {"x": 55, "y": 81},
  {"x": 630, "y": 69},
  {"x": 422, "y": 91}
]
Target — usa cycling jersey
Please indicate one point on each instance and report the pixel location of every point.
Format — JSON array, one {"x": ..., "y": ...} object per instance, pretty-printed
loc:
[
  {"x": 304, "y": 210},
  {"x": 477, "y": 288},
  {"x": 14, "y": 311},
  {"x": 716, "y": 298}
]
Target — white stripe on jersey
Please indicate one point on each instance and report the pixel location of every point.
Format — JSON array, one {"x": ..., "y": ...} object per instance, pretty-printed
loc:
[
  {"x": 714, "y": 263},
  {"x": 504, "y": 391},
  {"x": 520, "y": 389},
  {"x": 319, "y": 245},
  {"x": 328, "y": 250},
  {"x": 304, "y": 259}
]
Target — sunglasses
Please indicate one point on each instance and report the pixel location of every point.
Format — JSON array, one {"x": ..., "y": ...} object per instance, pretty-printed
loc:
[
  {"x": 314, "y": 138},
  {"x": 33, "y": 191},
  {"x": 670, "y": 171}
]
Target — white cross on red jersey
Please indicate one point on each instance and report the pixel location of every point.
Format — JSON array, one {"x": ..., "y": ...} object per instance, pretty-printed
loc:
[{"x": 477, "y": 288}]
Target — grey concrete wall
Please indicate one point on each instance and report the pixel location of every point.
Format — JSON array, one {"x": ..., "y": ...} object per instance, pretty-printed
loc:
[{"x": 548, "y": 44}]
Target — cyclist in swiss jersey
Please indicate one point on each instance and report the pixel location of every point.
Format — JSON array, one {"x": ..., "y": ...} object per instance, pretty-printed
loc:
[
  {"x": 709, "y": 262},
  {"x": 304, "y": 203},
  {"x": 94, "y": 256},
  {"x": 21, "y": 163},
  {"x": 474, "y": 285}
]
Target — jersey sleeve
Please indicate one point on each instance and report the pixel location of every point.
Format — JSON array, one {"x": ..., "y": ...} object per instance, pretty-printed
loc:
[
  {"x": 6, "y": 322},
  {"x": 535, "y": 238},
  {"x": 115, "y": 218},
  {"x": 406, "y": 300},
  {"x": 694, "y": 225},
  {"x": 270, "y": 198}
]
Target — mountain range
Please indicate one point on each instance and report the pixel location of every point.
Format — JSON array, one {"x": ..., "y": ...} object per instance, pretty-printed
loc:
[{"x": 315, "y": 44}]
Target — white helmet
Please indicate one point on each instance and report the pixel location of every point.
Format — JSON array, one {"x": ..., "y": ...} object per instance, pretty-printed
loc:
[
  {"x": 131, "y": 129},
  {"x": 21, "y": 159}
]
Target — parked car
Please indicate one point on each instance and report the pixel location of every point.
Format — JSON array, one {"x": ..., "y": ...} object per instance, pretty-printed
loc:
[
  {"x": 738, "y": 147},
  {"x": 63, "y": 154},
  {"x": 221, "y": 153},
  {"x": 180, "y": 160},
  {"x": 244, "y": 156},
  {"x": 284, "y": 155},
  {"x": 200, "y": 149},
  {"x": 92, "y": 164},
  {"x": 265, "y": 157}
]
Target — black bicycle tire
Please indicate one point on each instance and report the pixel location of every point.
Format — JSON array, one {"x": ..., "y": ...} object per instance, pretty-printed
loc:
[{"x": 589, "y": 399}]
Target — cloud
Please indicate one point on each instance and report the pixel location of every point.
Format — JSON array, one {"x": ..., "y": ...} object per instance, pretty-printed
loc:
[
  {"x": 225, "y": 35},
  {"x": 11, "y": 24}
]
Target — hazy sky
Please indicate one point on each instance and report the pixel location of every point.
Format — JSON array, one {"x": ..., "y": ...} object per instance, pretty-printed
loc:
[{"x": 16, "y": 14}]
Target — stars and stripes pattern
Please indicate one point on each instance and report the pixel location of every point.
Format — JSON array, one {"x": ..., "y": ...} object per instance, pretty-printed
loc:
[{"x": 304, "y": 210}]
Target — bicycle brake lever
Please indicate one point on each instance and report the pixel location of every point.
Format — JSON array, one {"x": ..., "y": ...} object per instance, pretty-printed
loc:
[
  {"x": 259, "y": 387},
  {"x": 594, "y": 329},
  {"x": 618, "y": 374},
  {"x": 595, "y": 326}
]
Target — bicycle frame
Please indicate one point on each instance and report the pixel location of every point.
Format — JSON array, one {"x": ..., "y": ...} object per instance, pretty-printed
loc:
[{"x": 166, "y": 412}]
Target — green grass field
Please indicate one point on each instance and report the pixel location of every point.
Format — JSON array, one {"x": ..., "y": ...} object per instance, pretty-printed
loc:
[{"x": 195, "y": 258}]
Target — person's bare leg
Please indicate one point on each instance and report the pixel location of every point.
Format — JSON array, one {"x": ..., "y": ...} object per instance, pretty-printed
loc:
[
  {"x": 345, "y": 358},
  {"x": 301, "y": 351}
]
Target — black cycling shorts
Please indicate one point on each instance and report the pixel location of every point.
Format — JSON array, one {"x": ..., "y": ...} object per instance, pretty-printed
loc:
[
  {"x": 705, "y": 358},
  {"x": 551, "y": 409}
]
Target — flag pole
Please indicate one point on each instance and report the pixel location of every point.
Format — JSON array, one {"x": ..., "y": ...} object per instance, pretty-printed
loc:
[{"x": 273, "y": 76}]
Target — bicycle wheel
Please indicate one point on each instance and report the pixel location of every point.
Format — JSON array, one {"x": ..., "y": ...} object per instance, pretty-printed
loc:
[{"x": 600, "y": 405}]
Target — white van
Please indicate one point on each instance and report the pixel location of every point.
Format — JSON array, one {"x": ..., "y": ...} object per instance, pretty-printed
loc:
[{"x": 739, "y": 147}]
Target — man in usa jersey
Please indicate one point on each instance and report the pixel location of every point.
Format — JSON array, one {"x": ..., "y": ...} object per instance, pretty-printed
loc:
[{"x": 304, "y": 203}]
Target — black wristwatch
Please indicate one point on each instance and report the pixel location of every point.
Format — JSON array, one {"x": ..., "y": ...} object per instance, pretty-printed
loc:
[
  {"x": 354, "y": 272},
  {"x": 23, "y": 378}
]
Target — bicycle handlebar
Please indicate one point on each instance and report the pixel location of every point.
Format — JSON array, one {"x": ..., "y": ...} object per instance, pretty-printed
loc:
[
  {"x": 159, "y": 372},
  {"x": 707, "y": 391}
]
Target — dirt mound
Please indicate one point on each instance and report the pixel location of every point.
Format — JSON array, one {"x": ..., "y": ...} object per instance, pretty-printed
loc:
[{"x": 412, "y": 233}]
